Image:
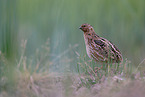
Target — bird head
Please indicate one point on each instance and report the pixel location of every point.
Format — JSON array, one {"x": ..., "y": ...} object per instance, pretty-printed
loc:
[{"x": 86, "y": 27}]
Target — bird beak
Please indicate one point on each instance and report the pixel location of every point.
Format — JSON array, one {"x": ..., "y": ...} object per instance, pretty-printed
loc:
[{"x": 80, "y": 27}]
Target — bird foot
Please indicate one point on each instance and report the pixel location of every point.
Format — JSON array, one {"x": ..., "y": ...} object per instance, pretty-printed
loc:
[{"x": 97, "y": 68}]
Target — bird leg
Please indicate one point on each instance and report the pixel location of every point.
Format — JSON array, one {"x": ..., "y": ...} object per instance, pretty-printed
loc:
[
  {"x": 97, "y": 68},
  {"x": 108, "y": 68}
]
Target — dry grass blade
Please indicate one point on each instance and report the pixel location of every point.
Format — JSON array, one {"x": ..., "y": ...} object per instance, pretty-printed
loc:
[
  {"x": 23, "y": 45},
  {"x": 139, "y": 65}
]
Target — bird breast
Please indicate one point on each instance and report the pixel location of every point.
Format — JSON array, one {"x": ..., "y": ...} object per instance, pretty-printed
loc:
[{"x": 88, "y": 49}]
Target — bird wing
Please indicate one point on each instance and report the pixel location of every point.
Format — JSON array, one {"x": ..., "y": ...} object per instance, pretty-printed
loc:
[{"x": 104, "y": 50}]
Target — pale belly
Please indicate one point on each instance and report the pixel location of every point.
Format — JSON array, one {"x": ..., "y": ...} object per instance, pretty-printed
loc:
[{"x": 88, "y": 51}]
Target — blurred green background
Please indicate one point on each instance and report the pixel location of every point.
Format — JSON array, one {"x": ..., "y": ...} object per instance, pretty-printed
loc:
[{"x": 120, "y": 21}]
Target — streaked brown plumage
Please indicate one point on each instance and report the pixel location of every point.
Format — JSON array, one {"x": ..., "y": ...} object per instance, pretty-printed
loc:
[{"x": 98, "y": 48}]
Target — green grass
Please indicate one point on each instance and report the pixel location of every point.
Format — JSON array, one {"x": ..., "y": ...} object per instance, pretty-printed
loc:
[
  {"x": 32, "y": 78},
  {"x": 94, "y": 74}
]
